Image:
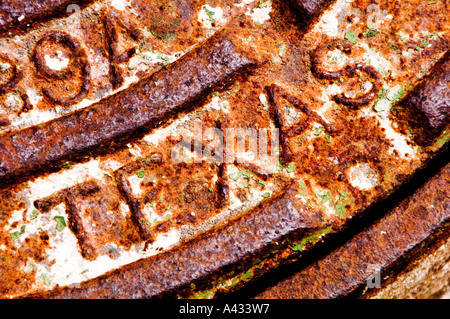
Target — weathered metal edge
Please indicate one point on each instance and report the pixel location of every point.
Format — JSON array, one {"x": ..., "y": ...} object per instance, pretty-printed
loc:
[
  {"x": 234, "y": 249},
  {"x": 19, "y": 18},
  {"x": 161, "y": 275},
  {"x": 418, "y": 224}
]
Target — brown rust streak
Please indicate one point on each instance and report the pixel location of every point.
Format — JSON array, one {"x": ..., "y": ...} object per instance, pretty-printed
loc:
[
  {"x": 222, "y": 187},
  {"x": 184, "y": 188}
]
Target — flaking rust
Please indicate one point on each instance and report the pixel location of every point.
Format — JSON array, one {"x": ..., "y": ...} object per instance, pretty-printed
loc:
[
  {"x": 373, "y": 257},
  {"x": 176, "y": 88},
  {"x": 97, "y": 111}
]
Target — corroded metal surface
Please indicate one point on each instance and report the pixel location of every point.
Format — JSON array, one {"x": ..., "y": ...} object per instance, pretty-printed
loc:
[
  {"x": 185, "y": 148},
  {"x": 377, "y": 252},
  {"x": 170, "y": 91},
  {"x": 229, "y": 246},
  {"x": 15, "y": 14},
  {"x": 426, "y": 110}
]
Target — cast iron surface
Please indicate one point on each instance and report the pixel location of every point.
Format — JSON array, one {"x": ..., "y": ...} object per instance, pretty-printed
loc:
[
  {"x": 194, "y": 148},
  {"x": 414, "y": 221}
]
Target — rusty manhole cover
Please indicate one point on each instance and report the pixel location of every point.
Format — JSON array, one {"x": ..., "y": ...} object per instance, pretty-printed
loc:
[{"x": 189, "y": 148}]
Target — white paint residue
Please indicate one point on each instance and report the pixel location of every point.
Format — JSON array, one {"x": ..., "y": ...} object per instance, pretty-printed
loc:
[
  {"x": 329, "y": 23},
  {"x": 336, "y": 59},
  {"x": 16, "y": 216},
  {"x": 255, "y": 194},
  {"x": 158, "y": 57},
  {"x": 170, "y": 130},
  {"x": 362, "y": 176},
  {"x": 214, "y": 104},
  {"x": 148, "y": 211},
  {"x": 112, "y": 164},
  {"x": 261, "y": 14},
  {"x": 63, "y": 251},
  {"x": 392, "y": 92},
  {"x": 100, "y": 65},
  {"x": 245, "y": 157},
  {"x": 217, "y": 104},
  {"x": 4, "y": 66},
  {"x": 57, "y": 63},
  {"x": 331, "y": 90}
]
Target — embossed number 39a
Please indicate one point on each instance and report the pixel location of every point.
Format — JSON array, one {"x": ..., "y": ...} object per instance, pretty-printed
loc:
[{"x": 348, "y": 71}]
